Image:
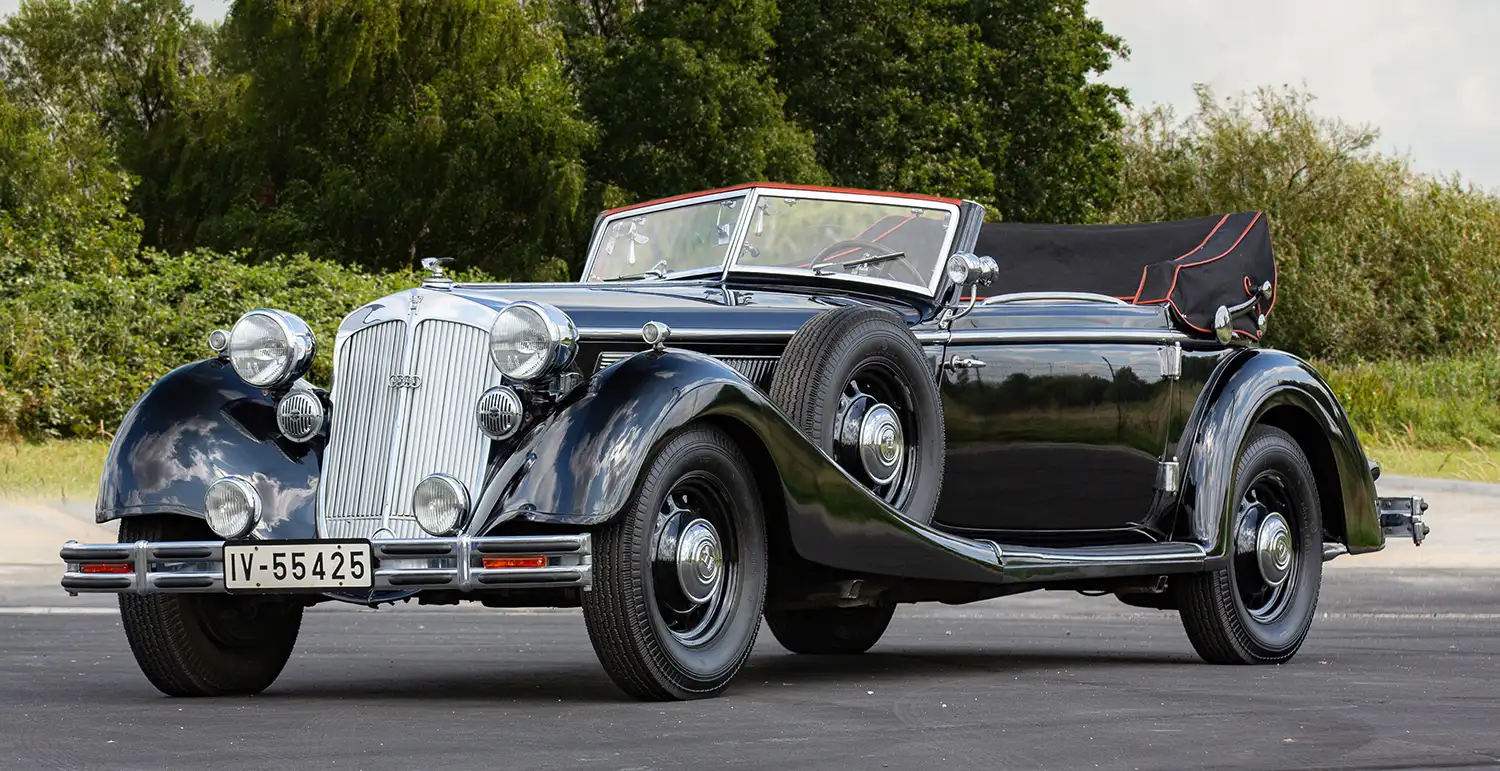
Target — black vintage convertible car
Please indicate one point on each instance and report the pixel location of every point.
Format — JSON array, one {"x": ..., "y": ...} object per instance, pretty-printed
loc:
[{"x": 800, "y": 404}]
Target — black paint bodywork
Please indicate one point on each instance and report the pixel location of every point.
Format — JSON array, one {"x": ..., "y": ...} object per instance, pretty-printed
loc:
[{"x": 1055, "y": 442}]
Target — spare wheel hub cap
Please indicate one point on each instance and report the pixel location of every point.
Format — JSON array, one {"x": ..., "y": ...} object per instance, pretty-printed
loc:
[{"x": 881, "y": 444}]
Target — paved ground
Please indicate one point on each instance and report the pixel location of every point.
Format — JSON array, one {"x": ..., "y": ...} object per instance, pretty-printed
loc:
[{"x": 1402, "y": 670}]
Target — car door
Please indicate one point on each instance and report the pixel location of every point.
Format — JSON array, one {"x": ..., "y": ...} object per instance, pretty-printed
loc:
[{"x": 1056, "y": 417}]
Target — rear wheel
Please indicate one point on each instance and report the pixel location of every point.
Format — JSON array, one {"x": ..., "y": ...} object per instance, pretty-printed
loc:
[
  {"x": 680, "y": 574},
  {"x": 204, "y": 644},
  {"x": 1259, "y": 608},
  {"x": 830, "y": 630}
]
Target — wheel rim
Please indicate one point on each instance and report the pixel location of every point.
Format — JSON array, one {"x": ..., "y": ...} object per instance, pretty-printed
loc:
[
  {"x": 695, "y": 565},
  {"x": 877, "y": 438},
  {"x": 1267, "y": 562}
]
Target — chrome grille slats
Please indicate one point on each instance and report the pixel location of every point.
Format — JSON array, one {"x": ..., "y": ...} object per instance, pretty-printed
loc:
[
  {"x": 440, "y": 434},
  {"x": 408, "y": 371},
  {"x": 364, "y": 408}
]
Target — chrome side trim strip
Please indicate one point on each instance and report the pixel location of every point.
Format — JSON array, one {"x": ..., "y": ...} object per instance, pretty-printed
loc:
[
  {"x": 634, "y": 334},
  {"x": 1036, "y": 563},
  {"x": 457, "y": 562},
  {"x": 1016, "y": 336},
  {"x": 1051, "y": 297}
]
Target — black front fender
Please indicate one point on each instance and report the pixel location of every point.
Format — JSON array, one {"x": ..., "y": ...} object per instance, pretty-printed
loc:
[
  {"x": 198, "y": 423},
  {"x": 581, "y": 467},
  {"x": 1248, "y": 386}
]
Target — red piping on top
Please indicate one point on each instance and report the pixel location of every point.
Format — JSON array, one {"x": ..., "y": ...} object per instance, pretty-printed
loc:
[
  {"x": 1178, "y": 271},
  {"x": 1137, "y": 296},
  {"x": 774, "y": 186}
]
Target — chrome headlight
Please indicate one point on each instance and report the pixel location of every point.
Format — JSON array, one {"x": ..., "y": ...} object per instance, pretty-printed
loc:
[
  {"x": 270, "y": 348},
  {"x": 532, "y": 340},
  {"x": 440, "y": 504},
  {"x": 232, "y": 507}
]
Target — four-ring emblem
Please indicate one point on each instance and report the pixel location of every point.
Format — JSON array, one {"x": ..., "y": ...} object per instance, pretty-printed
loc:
[{"x": 405, "y": 381}]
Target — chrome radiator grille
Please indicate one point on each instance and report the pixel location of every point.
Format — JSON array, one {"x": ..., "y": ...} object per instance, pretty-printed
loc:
[
  {"x": 756, "y": 369},
  {"x": 384, "y": 439}
]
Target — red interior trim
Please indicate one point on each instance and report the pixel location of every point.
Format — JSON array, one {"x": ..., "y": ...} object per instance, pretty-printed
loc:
[{"x": 777, "y": 186}]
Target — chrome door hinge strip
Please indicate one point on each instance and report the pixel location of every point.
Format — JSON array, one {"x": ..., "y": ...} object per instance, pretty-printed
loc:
[
  {"x": 1171, "y": 366},
  {"x": 1166, "y": 475}
]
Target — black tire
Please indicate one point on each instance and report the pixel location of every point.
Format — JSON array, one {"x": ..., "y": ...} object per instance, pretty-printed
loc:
[
  {"x": 1233, "y": 615},
  {"x": 646, "y": 630},
  {"x": 830, "y": 631},
  {"x": 204, "y": 644},
  {"x": 848, "y": 344}
]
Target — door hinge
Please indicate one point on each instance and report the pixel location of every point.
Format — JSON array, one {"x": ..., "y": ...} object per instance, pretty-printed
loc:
[
  {"x": 1171, "y": 363},
  {"x": 1166, "y": 475}
]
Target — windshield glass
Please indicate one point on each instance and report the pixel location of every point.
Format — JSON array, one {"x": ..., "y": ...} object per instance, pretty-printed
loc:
[
  {"x": 893, "y": 241},
  {"x": 671, "y": 240}
]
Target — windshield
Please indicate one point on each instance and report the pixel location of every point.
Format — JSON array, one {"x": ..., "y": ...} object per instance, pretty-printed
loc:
[
  {"x": 896, "y": 242},
  {"x": 865, "y": 236},
  {"x": 655, "y": 244}
]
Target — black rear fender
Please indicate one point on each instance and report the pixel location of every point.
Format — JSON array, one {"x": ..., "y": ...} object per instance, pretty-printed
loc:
[{"x": 1266, "y": 386}]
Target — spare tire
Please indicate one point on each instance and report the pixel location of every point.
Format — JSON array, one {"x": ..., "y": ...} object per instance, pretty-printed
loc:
[{"x": 856, "y": 382}]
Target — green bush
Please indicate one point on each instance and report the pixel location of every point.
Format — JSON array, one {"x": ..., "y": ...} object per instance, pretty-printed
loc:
[
  {"x": 1435, "y": 403},
  {"x": 76, "y": 353},
  {"x": 1374, "y": 260}
]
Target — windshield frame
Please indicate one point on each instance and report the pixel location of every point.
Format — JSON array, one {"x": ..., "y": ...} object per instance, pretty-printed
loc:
[{"x": 751, "y": 196}]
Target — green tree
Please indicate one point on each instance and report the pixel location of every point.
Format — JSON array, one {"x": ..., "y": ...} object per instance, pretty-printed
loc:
[
  {"x": 993, "y": 100},
  {"x": 383, "y": 131},
  {"x": 134, "y": 66},
  {"x": 682, "y": 95}
]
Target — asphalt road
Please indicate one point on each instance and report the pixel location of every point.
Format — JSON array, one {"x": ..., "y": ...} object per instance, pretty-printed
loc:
[{"x": 1402, "y": 670}]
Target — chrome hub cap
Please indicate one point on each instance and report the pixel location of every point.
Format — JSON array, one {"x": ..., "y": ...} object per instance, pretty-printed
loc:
[
  {"x": 700, "y": 562},
  {"x": 1273, "y": 549},
  {"x": 881, "y": 446}
]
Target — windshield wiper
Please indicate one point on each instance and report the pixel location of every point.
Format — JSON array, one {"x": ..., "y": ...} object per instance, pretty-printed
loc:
[
  {"x": 858, "y": 261},
  {"x": 657, "y": 271}
]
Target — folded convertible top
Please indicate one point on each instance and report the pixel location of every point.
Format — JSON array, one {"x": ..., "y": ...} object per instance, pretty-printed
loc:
[{"x": 1194, "y": 266}]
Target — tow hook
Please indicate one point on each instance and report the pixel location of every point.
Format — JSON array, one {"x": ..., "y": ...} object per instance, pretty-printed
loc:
[{"x": 1403, "y": 517}]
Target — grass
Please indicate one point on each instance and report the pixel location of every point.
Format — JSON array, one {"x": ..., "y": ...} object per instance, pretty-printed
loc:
[
  {"x": 1473, "y": 464},
  {"x": 66, "y": 470}
]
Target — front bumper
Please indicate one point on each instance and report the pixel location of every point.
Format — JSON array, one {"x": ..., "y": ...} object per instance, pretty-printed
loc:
[
  {"x": 1404, "y": 518},
  {"x": 401, "y": 564}
]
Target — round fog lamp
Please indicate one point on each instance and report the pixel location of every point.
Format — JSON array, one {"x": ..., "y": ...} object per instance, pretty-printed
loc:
[
  {"x": 232, "y": 507},
  {"x": 441, "y": 504}
]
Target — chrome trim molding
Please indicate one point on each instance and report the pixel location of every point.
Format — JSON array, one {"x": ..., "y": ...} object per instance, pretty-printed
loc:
[
  {"x": 1052, "y": 297},
  {"x": 455, "y": 562},
  {"x": 1036, "y": 563},
  {"x": 971, "y": 336},
  {"x": 633, "y": 334}
]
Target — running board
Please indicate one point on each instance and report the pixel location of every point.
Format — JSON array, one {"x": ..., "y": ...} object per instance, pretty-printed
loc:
[{"x": 1022, "y": 564}]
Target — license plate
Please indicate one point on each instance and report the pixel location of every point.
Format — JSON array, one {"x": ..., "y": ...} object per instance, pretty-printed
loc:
[{"x": 275, "y": 565}]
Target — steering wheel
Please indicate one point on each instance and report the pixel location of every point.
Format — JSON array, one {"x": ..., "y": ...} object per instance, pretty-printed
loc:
[{"x": 840, "y": 248}]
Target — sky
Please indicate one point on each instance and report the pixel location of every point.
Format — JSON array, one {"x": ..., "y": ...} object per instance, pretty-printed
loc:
[{"x": 1426, "y": 73}]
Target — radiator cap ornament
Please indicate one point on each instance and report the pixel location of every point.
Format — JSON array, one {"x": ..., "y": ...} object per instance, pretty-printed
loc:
[{"x": 437, "y": 279}]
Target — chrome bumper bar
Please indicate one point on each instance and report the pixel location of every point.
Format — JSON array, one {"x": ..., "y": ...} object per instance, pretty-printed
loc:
[
  {"x": 1404, "y": 517},
  {"x": 457, "y": 562}
]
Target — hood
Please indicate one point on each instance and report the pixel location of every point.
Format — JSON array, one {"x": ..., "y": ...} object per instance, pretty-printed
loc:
[{"x": 701, "y": 306}]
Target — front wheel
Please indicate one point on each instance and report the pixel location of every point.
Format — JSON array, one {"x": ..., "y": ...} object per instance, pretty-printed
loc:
[
  {"x": 204, "y": 644},
  {"x": 1259, "y": 607},
  {"x": 680, "y": 573}
]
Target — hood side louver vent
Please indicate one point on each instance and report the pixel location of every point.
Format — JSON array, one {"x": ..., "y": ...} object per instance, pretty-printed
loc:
[{"x": 756, "y": 369}]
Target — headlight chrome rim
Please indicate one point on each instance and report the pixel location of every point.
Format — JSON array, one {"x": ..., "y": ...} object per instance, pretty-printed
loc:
[
  {"x": 233, "y": 528},
  {"x": 562, "y": 341},
  {"x": 296, "y": 335},
  {"x": 444, "y": 484}
]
